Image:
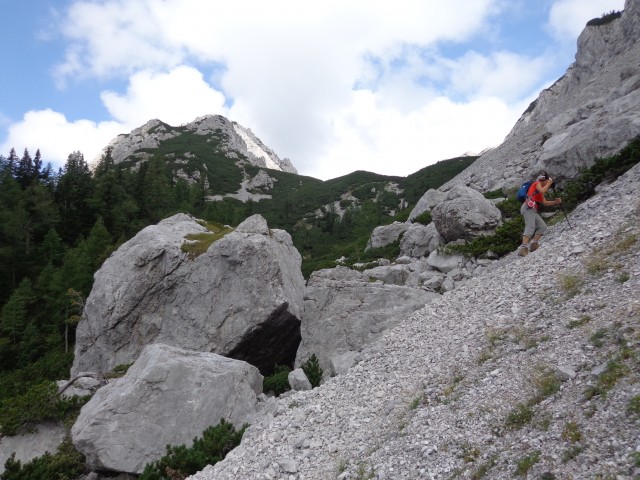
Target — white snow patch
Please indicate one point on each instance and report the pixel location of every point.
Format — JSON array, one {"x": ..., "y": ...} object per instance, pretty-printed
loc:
[{"x": 255, "y": 149}]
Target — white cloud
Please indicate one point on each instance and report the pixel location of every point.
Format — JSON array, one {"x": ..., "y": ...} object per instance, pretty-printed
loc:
[
  {"x": 383, "y": 140},
  {"x": 57, "y": 137},
  {"x": 176, "y": 97},
  {"x": 567, "y": 18}
]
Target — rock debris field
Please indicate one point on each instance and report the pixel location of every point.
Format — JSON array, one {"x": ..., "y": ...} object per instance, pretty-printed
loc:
[{"x": 529, "y": 371}]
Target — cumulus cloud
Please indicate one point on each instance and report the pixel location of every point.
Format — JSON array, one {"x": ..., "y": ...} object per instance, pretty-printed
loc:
[
  {"x": 370, "y": 137},
  {"x": 567, "y": 18},
  {"x": 176, "y": 97},
  {"x": 58, "y": 137}
]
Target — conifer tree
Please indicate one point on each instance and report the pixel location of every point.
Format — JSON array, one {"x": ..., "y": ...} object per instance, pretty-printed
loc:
[{"x": 73, "y": 190}]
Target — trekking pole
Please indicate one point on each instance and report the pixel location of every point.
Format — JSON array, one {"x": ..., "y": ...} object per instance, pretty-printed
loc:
[{"x": 562, "y": 208}]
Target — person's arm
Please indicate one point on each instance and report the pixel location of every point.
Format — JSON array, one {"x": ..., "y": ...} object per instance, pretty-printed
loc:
[{"x": 543, "y": 189}]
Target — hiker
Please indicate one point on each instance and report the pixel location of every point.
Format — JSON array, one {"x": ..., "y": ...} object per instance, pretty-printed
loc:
[{"x": 534, "y": 226}]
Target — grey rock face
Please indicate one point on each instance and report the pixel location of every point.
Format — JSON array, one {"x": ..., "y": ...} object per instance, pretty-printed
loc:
[
  {"x": 465, "y": 214},
  {"x": 242, "y": 298},
  {"x": 46, "y": 438},
  {"x": 168, "y": 396},
  {"x": 420, "y": 240},
  {"x": 386, "y": 234},
  {"x": 344, "y": 314},
  {"x": 591, "y": 111},
  {"x": 430, "y": 199}
]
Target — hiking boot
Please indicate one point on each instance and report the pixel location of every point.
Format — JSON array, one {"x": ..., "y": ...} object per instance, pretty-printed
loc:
[
  {"x": 534, "y": 246},
  {"x": 523, "y": 250}
]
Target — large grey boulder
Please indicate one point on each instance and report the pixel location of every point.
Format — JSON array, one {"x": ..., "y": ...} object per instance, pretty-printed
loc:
[
  {"x": 427, "y": 202},
  {"x": 168, "y": 397},
  {"x": 386, "y": 234},
  {"x": 242, "y": 298},
  {"x": 420, "y": 240},
  {"x": 592, "y": 111},
  {"x": 46, "y": 437},
  {"x": 465, "y": 214},
  {"x": 344, "y": 312}
]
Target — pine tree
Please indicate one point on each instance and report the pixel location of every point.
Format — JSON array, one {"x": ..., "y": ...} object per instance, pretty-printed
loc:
[
  {"x": 25, "y": 170},
  {"x": 73, "y": 190}
]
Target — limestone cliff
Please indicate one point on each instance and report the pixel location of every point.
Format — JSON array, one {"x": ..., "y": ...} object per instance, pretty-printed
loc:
[{"x": 591, "y": 111}]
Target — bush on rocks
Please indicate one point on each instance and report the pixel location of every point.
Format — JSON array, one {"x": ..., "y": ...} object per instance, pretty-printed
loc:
[
  {"x": 312, "y": 370},
  {"x": 278, "y": 382},
  {"x": 180, "y": 461}
]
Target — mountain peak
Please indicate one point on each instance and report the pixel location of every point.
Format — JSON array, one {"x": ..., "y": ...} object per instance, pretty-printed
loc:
[{"x": 231, "y": 138}]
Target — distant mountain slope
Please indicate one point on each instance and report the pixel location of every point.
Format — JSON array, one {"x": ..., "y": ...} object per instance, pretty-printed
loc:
[{"x": 222, "y": 136}]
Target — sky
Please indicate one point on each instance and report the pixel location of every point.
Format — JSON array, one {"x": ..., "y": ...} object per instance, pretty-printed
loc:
[{"x": 334, "y": 85}]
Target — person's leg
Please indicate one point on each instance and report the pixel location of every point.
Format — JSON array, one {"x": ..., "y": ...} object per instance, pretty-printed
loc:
[
  {"x": 529, "y": 229},
  {"x": 540, "y": 229}
]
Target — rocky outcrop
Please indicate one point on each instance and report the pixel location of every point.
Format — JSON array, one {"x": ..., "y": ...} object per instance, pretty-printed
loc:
[
  {"x": 420, "y": 240},
  {"x": 386, "y": 234},
  {"x": 465, "y": 214},
  {"x": 592, "y": 111},
  {"x": 430, "y": 199},
  {"x": 242, "y": 298},
  {"x": 45, "y": 438},
  {"x": 344, "y": 312},
  {"x": 232, "y": 139},
  {"x": 167, "y": 397}
]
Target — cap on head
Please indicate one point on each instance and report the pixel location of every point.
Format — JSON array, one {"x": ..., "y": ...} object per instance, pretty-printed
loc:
[{"x": 543, "y": 176}]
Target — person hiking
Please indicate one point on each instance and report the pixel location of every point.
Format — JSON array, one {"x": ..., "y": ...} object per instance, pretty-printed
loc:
[{"x": 534, "y": 226}]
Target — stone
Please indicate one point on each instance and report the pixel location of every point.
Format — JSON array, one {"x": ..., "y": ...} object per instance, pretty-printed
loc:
[
  {"x": 344, "y": 361},
  {"x": 240, "y": 298},
  {"x": 385, "y": 235},
  {"x": 430, "y": 199},
  {"x": 420, "y": 240},
  {"x": 345, "y": 312},
  {"x": 46, "y": 437},
  {"x": 167, "y": 397},
  {"x": 564, "y": 373},
  {"x": 444, "y": 263},
  {"x": 465, "y": 214},
  {"x": 298, "y": 380}
]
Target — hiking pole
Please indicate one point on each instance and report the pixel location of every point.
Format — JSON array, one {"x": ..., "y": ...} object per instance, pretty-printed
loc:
[{"x": 562, "y": 207}]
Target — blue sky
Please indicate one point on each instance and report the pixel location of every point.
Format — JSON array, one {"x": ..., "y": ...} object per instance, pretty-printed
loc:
[{"x": 335, "y": 86}]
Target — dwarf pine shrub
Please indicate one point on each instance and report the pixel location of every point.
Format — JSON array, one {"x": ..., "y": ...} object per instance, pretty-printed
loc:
[
  {"x": 278, "y": 382},
  {"x": 181, "y": 461},
  {"x": 66, "y": 464},
  {"x": 312, "y": 370}
]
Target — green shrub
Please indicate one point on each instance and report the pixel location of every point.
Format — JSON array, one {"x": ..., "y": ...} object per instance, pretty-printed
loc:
[
  {"x": 524, "y": 465},
  {"x": 604, "y": 19},
  {"x": 519, "y": 416},
  {"x": 633, "y": 406},
  {"x": 312, "y": 370},
  {"x": 66, "y": 464},
  {"x": 180, "y": 461},
  {"x": 40, "y": 403},
  {"x": 278, "y": 382},
  {"x": 424, "y": 218}
]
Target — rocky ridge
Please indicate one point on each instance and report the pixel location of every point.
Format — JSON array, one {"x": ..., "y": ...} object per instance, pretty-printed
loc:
[
  {"x": 590, "y": 112},
  {"x": 236, "y": 140},
  {"x": 529, "y": 369}
]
